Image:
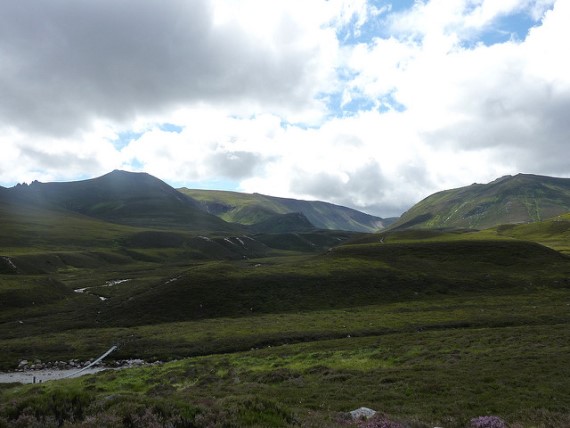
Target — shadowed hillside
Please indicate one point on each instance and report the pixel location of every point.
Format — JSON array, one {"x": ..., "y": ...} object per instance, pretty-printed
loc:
[
  {"x": 136, "y": 199},
  {"x": 280, "y": 223},
  {"x": 349, "y": 275}
]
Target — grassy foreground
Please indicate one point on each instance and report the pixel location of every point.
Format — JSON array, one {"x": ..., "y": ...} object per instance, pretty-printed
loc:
[
  {"x": 434, "y": 362},
  {"x": 430, "y": 330}
]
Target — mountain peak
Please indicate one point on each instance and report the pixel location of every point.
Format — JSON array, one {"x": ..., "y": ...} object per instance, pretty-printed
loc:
[
  {"x": 124, "y": 173},
  {"x": 522, "y": 198},
  {"x": 132, "y": 198},
  {"x": 503, "y": 178}
]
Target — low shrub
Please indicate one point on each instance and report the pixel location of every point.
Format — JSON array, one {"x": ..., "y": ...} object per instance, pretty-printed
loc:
[
  {"x": 380, "y": 421},
  {"x": 59, "y": 405},
  {"x": 487, "y": 422}
]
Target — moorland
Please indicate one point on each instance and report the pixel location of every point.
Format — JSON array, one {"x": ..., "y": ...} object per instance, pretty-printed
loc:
[{"x": 273, "y": 321}]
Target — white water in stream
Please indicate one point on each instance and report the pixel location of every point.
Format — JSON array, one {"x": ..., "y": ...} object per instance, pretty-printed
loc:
[
  {"x": 107, "y": 284},
  {"x": 44, "y": 375}
]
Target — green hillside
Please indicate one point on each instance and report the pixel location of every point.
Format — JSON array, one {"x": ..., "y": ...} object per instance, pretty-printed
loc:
[
  {"x": 31, "y": 227},
  {"x": 249, "y": 209},
  {"x": 280, "y": 223},
  {"x": 46, "y": 252},
  {"x": 257, "y": 328},
  {"x": 509, "y": 200},
  {"x": 135, "y": 199},
  {"x": 553, "y": 233}
]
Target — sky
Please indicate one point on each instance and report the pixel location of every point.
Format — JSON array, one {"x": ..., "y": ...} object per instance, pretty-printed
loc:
[{"x": 371, "y": 104}]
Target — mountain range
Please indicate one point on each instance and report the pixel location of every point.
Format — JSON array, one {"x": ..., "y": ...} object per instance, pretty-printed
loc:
[
  {"x": 135, "y": 199},
  {"x": 141, "y": 200},
  {"x": 249, "y": 209}
]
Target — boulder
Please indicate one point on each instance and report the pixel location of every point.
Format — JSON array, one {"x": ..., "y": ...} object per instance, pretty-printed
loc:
[{"x": 362, "y": 413}]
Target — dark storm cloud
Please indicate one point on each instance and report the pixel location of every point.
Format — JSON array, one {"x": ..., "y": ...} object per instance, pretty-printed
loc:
[
  {"x": 527, "y": 123},
  {"x": 323, "y": 185},
  {"x": 365, "y": 184},
  {"x": 66, "y": 162},
  {"x": 234, "y": 165},
  {"x": 368, "y": 188},
  {"x": 65, "y": 63}
]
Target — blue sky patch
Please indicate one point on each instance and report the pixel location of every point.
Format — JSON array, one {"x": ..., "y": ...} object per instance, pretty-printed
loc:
[
  {"x": 136, "y": 165},
  {"x": 375, "y": 26},
  {"x": 170, "y": 127},
  {"x": 124, "y": 138},
  {"x": 357, "y": 104},
  {"x": 389, "y": 103},
  {"x": 361, "y": 103},
  {"x": 510, "y": 27}
]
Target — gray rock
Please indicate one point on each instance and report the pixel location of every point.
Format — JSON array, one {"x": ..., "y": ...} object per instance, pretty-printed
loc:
[{"x": 362, "y": 412}]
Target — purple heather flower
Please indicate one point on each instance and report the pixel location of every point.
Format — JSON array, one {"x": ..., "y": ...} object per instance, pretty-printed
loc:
[{"x": 487, "y": 422}]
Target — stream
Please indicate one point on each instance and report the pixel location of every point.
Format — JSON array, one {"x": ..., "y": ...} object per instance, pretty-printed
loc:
[
  {"x": 38, "y": 376},
  {"x": 110, "y": 283}
]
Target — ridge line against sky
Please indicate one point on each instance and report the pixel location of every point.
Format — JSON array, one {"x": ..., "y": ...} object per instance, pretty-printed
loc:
[{"x": 371, "y": 104}]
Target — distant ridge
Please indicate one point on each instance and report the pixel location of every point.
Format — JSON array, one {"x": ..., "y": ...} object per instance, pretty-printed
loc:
[
  {"x": 523, "y": 198},
  {"x": 136, "y": 199},
  {"x": 142, "y": 200},
  {"x": 249, "y": 209}
]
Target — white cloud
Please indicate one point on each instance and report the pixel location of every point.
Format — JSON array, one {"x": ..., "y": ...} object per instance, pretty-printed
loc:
[
  {"x": 249, "y": 95},
  {"x": 460, "y": 19},
  {"x": 66, "y": 65}
]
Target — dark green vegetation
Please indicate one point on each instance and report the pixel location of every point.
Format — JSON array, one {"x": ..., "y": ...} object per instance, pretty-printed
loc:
[
  {"x": 508, "y": 200},
  {"x": 281, "y": 329},
  {"x": 249, "y": 209},
  {"x": 135, "y": 199}
]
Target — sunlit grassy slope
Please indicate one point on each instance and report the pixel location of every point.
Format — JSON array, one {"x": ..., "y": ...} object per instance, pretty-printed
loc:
[
  {"x": 554, "y": 232},
  {"x": 509, "y": 200},
  {"x": 249, "y": 209}
]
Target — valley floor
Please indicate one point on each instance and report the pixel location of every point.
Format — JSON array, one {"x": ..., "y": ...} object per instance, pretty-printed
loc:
[{"x": 427, "y": 333}]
